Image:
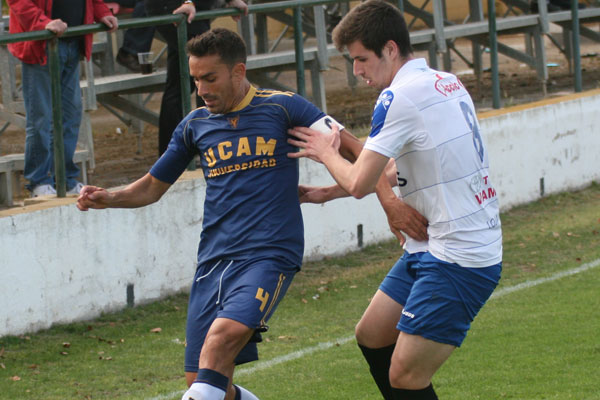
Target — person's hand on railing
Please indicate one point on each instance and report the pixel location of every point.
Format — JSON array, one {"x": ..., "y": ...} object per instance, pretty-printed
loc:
[
  {"x": 240, "y": 5},
  {"x": 110, "y": 21},
  {"x": 187, "y": 8},
  {"x": 57, "y": 26}
]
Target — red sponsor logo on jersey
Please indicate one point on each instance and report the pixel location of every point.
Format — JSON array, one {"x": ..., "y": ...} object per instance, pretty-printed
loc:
[
  {"x": 484, "y": 194},
  {"x": 447, "y": 85}
]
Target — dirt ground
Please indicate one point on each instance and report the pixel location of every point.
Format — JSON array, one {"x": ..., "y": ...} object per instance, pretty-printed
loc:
[{"x": 118, "y": 161}]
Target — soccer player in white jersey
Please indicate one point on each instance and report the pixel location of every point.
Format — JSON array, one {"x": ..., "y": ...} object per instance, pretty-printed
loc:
[{"x": 425, "y": 120}]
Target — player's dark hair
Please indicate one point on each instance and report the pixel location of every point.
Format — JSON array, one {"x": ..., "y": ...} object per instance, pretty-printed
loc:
[
  {"x": 228, "y": 45},
  {"x": 373, "y": 23}
]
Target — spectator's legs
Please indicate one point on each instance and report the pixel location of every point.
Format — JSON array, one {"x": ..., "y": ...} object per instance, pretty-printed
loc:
[
  {"x": 38, "y": 129},
  {"x": 71, "y": 106},
  {"x": 171, "y": 108},
  {"x": 39, "y": 152},
  {"x": 138, "y": 40}
]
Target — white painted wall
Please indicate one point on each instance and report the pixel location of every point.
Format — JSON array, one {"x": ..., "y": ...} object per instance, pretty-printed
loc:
[
  {"x": 559, "y": 143},
  {"x": 59, "y": 265}
]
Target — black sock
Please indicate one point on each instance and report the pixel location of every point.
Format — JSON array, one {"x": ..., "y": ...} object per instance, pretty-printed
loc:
[
  {"x": 379, "y": 364},
  {"x": 422, "y": 394}
]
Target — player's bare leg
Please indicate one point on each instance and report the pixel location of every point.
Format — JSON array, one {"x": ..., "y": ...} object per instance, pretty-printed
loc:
[
  {"x": 376, "y": 335},
  {"x": 377, "y": 327},
  {"x": 414, "y": 361},
  {"x": 224, "y": 340}
]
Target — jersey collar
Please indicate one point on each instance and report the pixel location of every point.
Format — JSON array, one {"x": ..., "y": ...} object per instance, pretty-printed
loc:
[
  {"x": 408, "y": 68},
  {"x": 246, "y": 100}
]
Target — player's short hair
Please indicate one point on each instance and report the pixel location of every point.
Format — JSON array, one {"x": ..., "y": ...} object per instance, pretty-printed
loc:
[
  {"x": 373, "y": 23},
  {"x": 228, "y": 45}
]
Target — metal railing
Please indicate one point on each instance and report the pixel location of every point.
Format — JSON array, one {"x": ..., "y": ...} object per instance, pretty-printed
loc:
[{"x": 179, "y": 21}]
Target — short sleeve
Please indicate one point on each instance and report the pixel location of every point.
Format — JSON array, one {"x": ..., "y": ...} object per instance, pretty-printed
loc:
[
  {"x": 177, "y": 157},
  {"x": 396, "y": 121}
]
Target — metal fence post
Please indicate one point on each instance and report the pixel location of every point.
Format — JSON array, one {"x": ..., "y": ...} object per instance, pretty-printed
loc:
[
  {"x": 576, "y": 49},
  {"x": 57, "y": 132},
  {"x": 494, "y": 54},
  {"x": 299, "y": 47},
  {"x": 184, "y": 73}
]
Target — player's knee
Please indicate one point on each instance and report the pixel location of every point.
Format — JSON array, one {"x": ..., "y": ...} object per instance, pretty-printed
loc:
[
  {"x": 403, "y": 376},
  {"x": 369, "y": 335},
  {"x": 226, "y": 337},
  {"x": 361, "y": 333}
]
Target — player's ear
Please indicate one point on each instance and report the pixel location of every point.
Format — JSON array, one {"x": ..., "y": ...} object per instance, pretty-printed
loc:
[
  {"x": 391, "y": 49},
  {"x": 238, "y": 72}
]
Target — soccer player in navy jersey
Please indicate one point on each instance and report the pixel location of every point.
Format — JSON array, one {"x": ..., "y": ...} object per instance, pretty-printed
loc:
[
  {"x": 251, "y": 244},
  {"x": 425, "y": 120}
]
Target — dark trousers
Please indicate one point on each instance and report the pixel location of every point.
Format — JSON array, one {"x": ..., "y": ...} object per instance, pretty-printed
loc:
[
  {"x": 171, "y": 107},
  {"x": 137, "y": 40}
]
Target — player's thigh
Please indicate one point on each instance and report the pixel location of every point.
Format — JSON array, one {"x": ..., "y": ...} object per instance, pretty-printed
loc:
[
  {"x": 224, "y": 341},
  {"x": 445, "y": 299},
  {"x": 415, "y": 360},
  {"x": 377, "y": 326},
  {"x": 251, "y": 294}
]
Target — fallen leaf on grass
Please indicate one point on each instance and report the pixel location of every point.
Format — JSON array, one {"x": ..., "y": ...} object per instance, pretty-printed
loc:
[
  {"x": 15, "y": 378},
  {"x": 2, "y": 366},
  {"x": 64, "y": 353},
  {"x": 304, "y": 300},
  {"x": 555, "y": 234},
  {"x": 33, "y": 366},
  {"x": 156, "y": 330}
]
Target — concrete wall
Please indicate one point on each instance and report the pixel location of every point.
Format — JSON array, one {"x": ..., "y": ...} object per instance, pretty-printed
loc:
[{"x": 58, "y": 264}]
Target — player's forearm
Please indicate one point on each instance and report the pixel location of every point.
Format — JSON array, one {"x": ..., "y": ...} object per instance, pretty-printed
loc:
[
  {"x": 350, "y": 145},
  {"x": 348, "y": 176},
  {"x": 144, "y": 191}
]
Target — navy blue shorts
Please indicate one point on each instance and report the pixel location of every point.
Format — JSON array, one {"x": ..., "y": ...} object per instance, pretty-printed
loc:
[
  {"x": 440, "y": 299},
  {"x": 247, "y": 291}
]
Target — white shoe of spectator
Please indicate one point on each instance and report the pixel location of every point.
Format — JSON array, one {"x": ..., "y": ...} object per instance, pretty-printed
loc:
[
  {"x": 43, "y": 190},
  {"x": 75, "y": 189}
]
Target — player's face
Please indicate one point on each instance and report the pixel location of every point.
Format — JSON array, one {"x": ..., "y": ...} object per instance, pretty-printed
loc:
[
  {"x": 217, "y": 83},
  {"x": 376, "y": 71}
]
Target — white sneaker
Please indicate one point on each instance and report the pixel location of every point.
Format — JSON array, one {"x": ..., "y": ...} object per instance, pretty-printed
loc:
[
  {"x": 75, "y": 189},
  {"x": 43, "y": 190}
]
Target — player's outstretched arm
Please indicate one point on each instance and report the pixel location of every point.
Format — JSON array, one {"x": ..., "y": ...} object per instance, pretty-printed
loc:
[
  {"x": 142, "y": 192},
  {"x": 320, "y": 194}
]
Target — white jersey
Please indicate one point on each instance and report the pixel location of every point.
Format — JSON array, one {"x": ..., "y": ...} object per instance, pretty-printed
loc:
[{"x": 426, "y": 121}]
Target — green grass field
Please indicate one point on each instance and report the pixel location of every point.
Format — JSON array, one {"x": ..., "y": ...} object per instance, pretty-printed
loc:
[{"x": 538, "y": 341}]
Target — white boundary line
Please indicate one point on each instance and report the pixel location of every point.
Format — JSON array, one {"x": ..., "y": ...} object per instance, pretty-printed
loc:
[{"x": 260, "y": 365}]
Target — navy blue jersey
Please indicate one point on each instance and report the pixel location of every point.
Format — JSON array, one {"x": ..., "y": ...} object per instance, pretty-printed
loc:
[{"x": 251, "y": 207}]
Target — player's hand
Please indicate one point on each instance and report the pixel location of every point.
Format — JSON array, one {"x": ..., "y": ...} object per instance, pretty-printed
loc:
[
  {"x": 111, "y": 21},
  {"x": 92, "y": 197},
  {"x": 240, "y": 5},
  {"x": 57, "y": 26},
  {"x": 314, "y": 144},
  {"x": 189, "y": 9},
  {"x": 403, "y": 218}
]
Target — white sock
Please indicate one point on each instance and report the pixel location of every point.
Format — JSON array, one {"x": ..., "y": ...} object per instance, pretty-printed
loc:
[
  {"x": 245, "y": 394},
  {"x": 203, "y": 391}
]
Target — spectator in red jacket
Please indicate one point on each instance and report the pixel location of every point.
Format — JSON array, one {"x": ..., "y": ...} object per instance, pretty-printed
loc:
[{"x": 55, "y": 16}]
